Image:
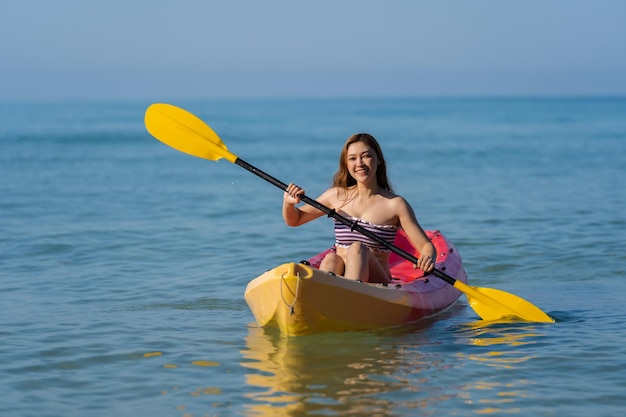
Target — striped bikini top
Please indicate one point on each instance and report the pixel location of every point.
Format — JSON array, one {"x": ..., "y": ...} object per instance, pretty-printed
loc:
[{"x": 345, "y": 236}]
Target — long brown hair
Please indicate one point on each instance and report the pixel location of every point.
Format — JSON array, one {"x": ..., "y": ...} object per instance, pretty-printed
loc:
[{"x": 343, "y": 179}]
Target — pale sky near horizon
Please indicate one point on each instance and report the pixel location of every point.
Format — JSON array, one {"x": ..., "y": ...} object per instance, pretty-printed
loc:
[{"x": 125, "y": 49}]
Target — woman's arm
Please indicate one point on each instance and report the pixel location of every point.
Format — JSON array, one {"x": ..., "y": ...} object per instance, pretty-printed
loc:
[{"x": 408, "y": 221}]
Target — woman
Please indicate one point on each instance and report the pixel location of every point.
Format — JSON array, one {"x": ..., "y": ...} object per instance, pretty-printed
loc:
[{"x": 361, "y": 192}]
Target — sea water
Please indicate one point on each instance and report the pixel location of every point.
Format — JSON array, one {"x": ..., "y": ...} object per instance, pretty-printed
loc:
[{"x": 123, "y": 262}]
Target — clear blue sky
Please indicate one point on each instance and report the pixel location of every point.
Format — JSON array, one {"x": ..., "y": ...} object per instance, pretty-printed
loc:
[{"x": 232, "y": 48}]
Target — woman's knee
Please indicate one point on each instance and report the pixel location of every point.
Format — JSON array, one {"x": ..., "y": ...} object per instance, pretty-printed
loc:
[
  {"x": 331, "y": 257},
  {"x": 333, "y": 263}
]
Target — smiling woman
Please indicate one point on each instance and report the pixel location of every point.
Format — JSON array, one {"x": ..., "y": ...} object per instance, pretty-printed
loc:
[{"x": 362, "y": 192}]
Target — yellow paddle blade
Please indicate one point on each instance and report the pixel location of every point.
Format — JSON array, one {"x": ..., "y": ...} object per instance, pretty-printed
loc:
[
  {"x": 492, "y": 304},
  {"x": 185, "y": 132}
]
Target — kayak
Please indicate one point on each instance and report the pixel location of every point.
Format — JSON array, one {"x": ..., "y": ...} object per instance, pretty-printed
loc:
[{"x": 299, "y": 299}]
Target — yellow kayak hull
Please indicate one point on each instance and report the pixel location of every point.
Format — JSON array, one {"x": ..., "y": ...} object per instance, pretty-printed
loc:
[{"x": 300, "y": 299}]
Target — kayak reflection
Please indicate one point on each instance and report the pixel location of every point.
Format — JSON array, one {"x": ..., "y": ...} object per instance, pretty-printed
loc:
[
  {"x": 346, "y": 373},
  {"x": 477, "y": 366}
]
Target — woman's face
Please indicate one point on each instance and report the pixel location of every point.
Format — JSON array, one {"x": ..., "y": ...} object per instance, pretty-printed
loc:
[{"x": 361, "y": 161}]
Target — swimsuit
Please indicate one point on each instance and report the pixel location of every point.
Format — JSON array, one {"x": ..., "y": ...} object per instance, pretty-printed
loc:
[{"x": 345, "y": 236}]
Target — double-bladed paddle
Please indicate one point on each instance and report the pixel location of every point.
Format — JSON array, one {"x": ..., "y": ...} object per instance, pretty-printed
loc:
[{"x": 185, "y": 132}]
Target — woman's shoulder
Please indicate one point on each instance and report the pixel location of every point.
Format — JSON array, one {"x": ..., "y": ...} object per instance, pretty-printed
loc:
[
  {"x": 391, "y": 196},
  {"x": 332, "y": 195},
  {"x": 396, "y": 201}
]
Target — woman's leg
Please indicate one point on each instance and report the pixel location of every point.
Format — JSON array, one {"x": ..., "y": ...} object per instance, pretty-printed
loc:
[
  {"x": 357, "y": 262},
  {"x": 333, "y": 263},
  {"x": 377, "y": 273},
  {"x": 361, "y": 264}
]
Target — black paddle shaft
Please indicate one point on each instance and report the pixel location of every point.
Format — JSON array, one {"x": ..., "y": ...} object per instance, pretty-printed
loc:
[{"x": 332, "y": 213}]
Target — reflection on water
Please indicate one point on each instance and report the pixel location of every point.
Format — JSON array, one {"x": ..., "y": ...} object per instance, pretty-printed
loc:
[
  {"x": 384, "y": 373},
  {"x": 496, "y": 334},
  {"x": 505, "y": 350},
  {"x": 307, "y": 374}
]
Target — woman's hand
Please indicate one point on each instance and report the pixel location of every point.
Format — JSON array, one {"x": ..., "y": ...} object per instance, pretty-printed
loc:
[
  {"x": 426, "y": 263},
  {"x": 292, "y": 194},
  {"x": 427, "y": 259}
]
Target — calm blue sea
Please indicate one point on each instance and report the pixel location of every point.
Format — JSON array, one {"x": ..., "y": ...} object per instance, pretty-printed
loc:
[{"x": 123, "y": 262}]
